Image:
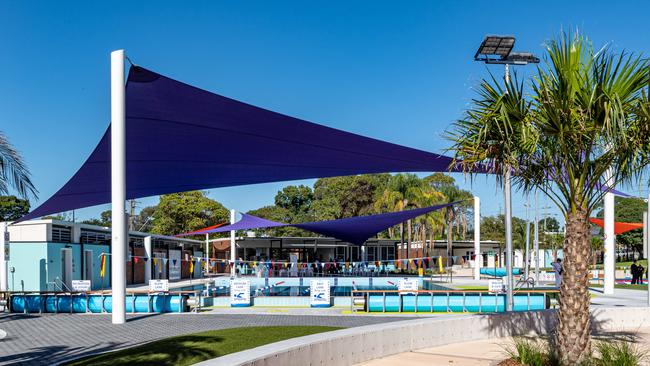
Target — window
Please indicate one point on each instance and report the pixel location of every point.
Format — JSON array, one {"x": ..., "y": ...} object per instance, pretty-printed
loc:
[
  {"x": 94, "y": 237},
  {"x": 61, "y": 234}
]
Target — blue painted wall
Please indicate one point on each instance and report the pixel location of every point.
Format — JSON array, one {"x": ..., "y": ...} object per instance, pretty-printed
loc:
[
  {"x": 29, "y": 261},
  {"x": 96, "y": 281}
]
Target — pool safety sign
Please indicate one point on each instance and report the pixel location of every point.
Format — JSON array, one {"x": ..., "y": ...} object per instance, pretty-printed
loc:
[
  {"x": 319, "y": 293},
  {"x": 81, "y": 285},
  {"x": 158, "y": 285},
  {"x": 407, "y": 285},
  {"x": 495, "y": 286},
  {"x": 240, "y": 292}
]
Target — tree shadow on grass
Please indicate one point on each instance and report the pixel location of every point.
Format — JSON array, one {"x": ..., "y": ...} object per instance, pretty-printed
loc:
[{"x": 183, "y": 350}]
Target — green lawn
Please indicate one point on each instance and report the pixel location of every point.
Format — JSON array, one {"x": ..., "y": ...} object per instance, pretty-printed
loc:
[{"x": 197, "y": 347}]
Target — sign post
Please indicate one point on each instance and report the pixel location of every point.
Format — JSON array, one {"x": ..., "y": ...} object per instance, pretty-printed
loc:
[
  {"x": 319, "y": 292},
  {"x": 407, "y": 285},
  {"x": 81, "y": 285},
  {"x": 240, "y": 293}
]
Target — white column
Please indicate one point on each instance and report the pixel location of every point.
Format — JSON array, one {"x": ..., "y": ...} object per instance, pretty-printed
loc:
[
  {"x": 207, "y": 252},
  {"x": 4, "y": 240},
  {"x": 536, "y": 238},
  {"x": 233, "y": 249},
  {"x": 118, "y": 187},
  {"x": 478, "y": 257},
  {"x": 149, "y": 259},
  {"x": 508, "y": 212},
  {"x": 645, "y": 234},
  {"x": 610, "y": 249},
  {"x": 647, "y": 242}
]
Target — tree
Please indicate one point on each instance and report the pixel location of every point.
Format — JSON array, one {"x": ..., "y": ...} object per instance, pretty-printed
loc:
[
  {"x": 13, "y": 171},
  {"x": 143, "y": 221},
  {"x": 104, "y": 219},
  {"x": 187, "y": 211},
  {"x": 586, "y": 115},
  {"x": 453, "y": 214},
  {"x": 339, "y": 197},
  {"x": 13, "y": 208}
]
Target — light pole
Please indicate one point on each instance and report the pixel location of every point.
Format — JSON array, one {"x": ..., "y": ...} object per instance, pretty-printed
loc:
[
  {"x": 527, "y": 254},
  {"x": 498, "y": 50}
]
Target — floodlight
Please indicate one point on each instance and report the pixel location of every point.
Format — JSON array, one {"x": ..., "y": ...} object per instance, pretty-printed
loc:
[{"x": 522, "y": 58}]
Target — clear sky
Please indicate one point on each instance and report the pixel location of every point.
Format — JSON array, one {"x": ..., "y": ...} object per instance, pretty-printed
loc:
[{"x": 398, "y": 71}]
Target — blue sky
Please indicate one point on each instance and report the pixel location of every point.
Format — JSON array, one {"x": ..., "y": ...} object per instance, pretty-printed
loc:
[{"x": 398, "y": 71}]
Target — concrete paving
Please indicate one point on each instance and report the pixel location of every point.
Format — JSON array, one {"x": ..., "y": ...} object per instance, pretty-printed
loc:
[
  {"x": 51, "y": 339},
  {"x": 478, "y": 353}
]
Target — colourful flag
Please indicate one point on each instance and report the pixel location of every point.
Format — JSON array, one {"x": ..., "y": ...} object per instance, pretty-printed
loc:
[
  {"x": 135, "y": 260},
  {"x": 191, "y": 266},
  {"x": 102, "y": 271},
  {"x": 155, "y": 261}
]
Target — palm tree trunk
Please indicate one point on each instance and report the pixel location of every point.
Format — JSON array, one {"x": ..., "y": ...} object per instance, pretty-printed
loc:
[{"x": 573, "y": 339}]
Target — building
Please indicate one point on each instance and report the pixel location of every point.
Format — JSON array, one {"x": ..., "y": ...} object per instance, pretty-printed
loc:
[{"x": 47, "y": 255}]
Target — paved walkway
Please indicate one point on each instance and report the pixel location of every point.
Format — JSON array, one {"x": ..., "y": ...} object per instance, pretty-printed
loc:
[
  {"x": 477, "y": 353},
  {"x": 50, "y": 339}
]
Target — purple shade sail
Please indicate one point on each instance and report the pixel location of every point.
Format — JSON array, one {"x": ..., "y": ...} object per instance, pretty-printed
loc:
[
  {"x": 181, "y": 138},
  {"x": 355, "y": 230}
]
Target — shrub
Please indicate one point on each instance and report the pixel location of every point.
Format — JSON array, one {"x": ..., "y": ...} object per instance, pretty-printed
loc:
[
  {"x": 618, "y": 353},
  {"x": 531, "y": 353}
]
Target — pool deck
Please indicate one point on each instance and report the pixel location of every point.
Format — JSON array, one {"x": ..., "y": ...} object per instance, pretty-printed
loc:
[
  {"x": 54, "y": 338},
  {"x": 477, "y": 353}
]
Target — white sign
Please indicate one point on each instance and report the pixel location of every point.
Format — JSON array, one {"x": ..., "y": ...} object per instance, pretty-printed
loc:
[
  {"x": 158, "y": 285},
  {"x": 406, "y": 285},
  {"x": 81, "y": 285},
  {"x": 547, "y": 276},
  {"x": 174, "y": 264},
  {"x": 595, "y": 274},
  {"x": 495, "y": 286},
  {"x": 319, "y": 293},
  {"x": 240, "y": 292}
]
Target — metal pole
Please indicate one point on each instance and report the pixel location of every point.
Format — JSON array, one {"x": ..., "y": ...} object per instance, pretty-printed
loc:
[
  {"x": 4, "y": 241},
  {"x": 536, "y": 238},
  {"x": 508, "y": 219},
  {"x": 149, "y": 259},
  {"x": 610, "y": 249},
  {"x": 645, "y": 234},
  {"x": 118, "y": 188},
  {"x": 207, "y": 252},
  {"x": 478, "y": 257},
  {"x": 233, "y": 249},
  {"x": 646, "y": 238},
  {"x": 527, "y": 254}
]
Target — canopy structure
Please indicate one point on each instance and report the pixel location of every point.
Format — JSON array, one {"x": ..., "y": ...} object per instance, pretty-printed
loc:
[
  {"x": 202, "y": 231},
  {"x": 355, "y": 230},
  {"x": 619, "y": 227},
  {"x": 181, "y": 138}
]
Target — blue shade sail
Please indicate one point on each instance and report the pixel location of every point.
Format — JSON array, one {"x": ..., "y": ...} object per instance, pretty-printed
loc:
[
  {"x": 355, "y": 230},
  {"x": 181, "y": 138}
]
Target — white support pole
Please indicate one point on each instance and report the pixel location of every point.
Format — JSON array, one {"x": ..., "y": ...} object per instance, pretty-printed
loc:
[
  {"x": 508, "y": 213},
  {"x": 233, "y": 249},
  {"x": 207, "y": 253},
  {"x": 118, "y": 188},
  {"x": 527, "y": 254},
  {"x": 610, "y": 249},
  {"x": 647, "y": 243},
  {"x": 645, "y": 235},
  {"x": 536, "y": 238},
  {"x": 4, "y": 240},
  {"x": 149, "y": 259},
  {"x": 478, "y": 256}
]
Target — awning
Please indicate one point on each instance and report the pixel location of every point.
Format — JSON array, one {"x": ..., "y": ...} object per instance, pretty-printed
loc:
[
  {"x": 181, "y": 138},
  {"x": 355, "y": 230},
  {"x": 619, "y": 227}
]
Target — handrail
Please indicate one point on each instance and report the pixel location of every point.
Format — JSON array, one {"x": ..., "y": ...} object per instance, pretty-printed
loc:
[
  {"x": 98, "y": 292},
  {"x": 449, "y": 291}
]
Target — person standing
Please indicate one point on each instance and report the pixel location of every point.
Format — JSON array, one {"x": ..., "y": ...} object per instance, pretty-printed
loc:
[
  {"x": 634, "y": 269},
  {"x": 557, "y": 268}
]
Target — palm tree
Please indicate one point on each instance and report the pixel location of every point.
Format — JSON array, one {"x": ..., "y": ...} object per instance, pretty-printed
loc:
[
  {"x": 586, "y": 114},
  {"x": 13, "y": 171}
]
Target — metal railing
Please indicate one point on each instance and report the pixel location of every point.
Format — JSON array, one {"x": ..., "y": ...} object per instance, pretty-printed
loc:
[{"x": 356, "y": 295}]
